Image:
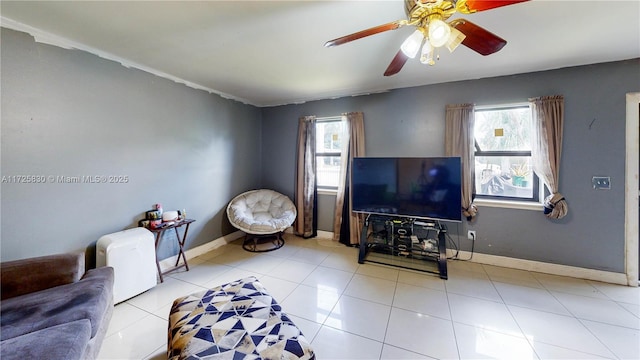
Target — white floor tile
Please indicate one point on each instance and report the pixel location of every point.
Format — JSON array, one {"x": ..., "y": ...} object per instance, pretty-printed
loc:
[
  {"x": 124, "y": 315},
  {"x": 335, "y": 344},
  {"x": 415, "y": 278},
  {"x": 159, "y": 354},
  {"x": 467, "y": 268},
  {"x": 394, "y": 353},
  {"x": 359, "y": 317},
  {"x": 422, "y": 300},
  {"x": 376, "y": 312},
  {"x": 309, "y": 328},
  {"x": 372, "y": 289},
  {"x": 288, "y": 250},
  {"x": 423, "y": 334},
  {"x": 136, "y": 341},
  {"x": 291, "y": 270},
  {"x": 329, "y": 279},
  {"x": 341, "y": 261},
  {"x": 311, "y": 255},
  {"x": 163, "y": 312},
  {"x": 232, "y": 257},
  {"x": 600, "y": 310},
  {"x": 482, "y": 343},
  {"x": 632, "y": 308},
  {"x": 231, "y": 275},
  {"x": 625, "y": 294},
  {"x": 472, "y": 285},
  {"x": 349, "y": 251},
  {"x": 511, "y": 276},
  {"x": 200, "y": 273},
  {"x": 279, "y": 289},
  {"x": 623, "y": 342},
  {"x": 559, "y": 330},
  {"x": 568, "y": 285},
  {"x": 310, "y": 303},
  {"x": 379, "y": 271},
  {"x": 163, "y": 294},
  {"x": 262, "y": 263},
  {"x": 532, "y": 298},
  {"x": 483, "y": 314},
  {"x": 551, "y": 352}
]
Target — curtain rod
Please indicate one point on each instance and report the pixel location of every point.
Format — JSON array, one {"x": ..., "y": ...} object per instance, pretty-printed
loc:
[{"x": 502, "y": 106}]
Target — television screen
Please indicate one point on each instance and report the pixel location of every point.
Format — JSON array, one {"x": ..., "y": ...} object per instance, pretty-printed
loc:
[{"x": 426, "y": 188}]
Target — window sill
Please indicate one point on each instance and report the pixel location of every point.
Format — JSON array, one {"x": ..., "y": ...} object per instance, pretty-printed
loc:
[
  {"x": 327, "y": 192},
  {"x": 520, "y": 205}
]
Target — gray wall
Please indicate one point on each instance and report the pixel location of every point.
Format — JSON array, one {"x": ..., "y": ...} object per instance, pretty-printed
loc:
[
  {"x": 410, "y": 122},
  {"x": 69, "y": 113}
]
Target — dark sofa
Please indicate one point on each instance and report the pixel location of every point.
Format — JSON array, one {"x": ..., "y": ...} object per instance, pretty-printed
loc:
[{"x": 52, "y": 309}]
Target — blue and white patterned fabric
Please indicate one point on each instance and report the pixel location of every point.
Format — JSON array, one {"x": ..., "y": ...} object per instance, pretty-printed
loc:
[{"x": 238, "y": 320}]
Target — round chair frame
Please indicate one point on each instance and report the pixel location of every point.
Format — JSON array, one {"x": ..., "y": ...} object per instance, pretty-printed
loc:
[
  {"x": 251, "y": 241},
  {"x": 253, "y": 238}
]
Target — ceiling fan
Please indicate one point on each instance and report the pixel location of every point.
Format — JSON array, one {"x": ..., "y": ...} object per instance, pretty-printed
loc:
[{"x": 432, "y": 31}]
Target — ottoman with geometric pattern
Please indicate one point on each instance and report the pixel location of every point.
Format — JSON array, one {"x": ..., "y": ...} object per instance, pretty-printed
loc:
[{"x": 238, "y": 320}]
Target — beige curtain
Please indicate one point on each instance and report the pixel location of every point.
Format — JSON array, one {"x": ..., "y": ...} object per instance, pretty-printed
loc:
[
  {"x": 353, "y": 147},
  {"x": 306, "y": 186},
  {"x": 459, "y": 141},
  {"x": 548, "y": 119}
]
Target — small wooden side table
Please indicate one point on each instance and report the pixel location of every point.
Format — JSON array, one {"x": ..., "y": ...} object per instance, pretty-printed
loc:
[{"x": 181, "y": 241}]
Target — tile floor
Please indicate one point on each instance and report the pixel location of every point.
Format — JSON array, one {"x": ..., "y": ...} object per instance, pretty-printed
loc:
[{"x": 352, "y": 311}]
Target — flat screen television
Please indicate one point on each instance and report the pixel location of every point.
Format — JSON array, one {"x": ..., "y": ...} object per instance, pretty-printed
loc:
[{"x": 425, "y": 188}]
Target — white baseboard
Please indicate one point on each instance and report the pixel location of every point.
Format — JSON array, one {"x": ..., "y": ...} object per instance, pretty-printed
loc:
[
  {"x": 325, "y": 234},
  {"x": 503, "y": 261},
  {"x": 546, "y": 268}
]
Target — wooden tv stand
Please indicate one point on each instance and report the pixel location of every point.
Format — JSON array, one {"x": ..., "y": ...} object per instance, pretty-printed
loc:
[{"x": 404, "y": 242}]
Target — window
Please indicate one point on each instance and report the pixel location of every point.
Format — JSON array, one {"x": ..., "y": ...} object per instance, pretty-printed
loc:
[
  {"x": 503, "y": 154},
  {"x": 329, "y": 135}
]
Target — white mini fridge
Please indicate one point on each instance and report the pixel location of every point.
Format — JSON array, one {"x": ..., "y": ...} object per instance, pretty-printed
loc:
[{"x": 132, "y": 254}]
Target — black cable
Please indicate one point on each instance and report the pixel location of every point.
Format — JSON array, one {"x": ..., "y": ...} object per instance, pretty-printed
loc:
[
  {"x": 457, "y": 247},
  {"x": 473, "y": 245}
]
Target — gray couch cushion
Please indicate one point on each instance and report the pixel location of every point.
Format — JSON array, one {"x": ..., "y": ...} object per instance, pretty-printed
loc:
[
  {"x": 88, "y": 298},
  {"x": 25, "y": 276},
  {"x": 62, "y": 342}
]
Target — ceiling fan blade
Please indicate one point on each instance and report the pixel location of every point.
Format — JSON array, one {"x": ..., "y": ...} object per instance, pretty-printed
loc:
[
  {"x": 471, "y": 6},
  {"x": 396, "y": 64},
  {"x": 478, "y": 39},
  {"x": 364, "y": 33}
]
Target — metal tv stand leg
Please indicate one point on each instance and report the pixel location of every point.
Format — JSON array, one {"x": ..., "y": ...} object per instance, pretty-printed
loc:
[
  {"x": 442, "y": 249},
  {"x": 363, "y": 241}
]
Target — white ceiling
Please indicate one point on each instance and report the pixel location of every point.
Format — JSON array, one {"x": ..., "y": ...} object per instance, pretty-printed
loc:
[{"x": 271, "y": 52}]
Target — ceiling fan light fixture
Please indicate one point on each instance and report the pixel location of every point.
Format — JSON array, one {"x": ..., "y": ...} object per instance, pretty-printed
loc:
[
  {"x": 426, "y": 55},
  {"x": 411, "y": 45},
  {"x": 439, "y": 32},
  {"x": 455, "y": 39}
]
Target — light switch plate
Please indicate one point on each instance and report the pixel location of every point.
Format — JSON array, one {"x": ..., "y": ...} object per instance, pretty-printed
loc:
[{"x": 601, "y": 182}]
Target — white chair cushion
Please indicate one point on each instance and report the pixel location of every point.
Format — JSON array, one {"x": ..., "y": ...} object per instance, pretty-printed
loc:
[{"x": 261, "y": 212}]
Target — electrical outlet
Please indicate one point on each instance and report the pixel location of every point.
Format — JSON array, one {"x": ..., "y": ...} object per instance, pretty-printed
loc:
[
  {"x": 471, "y": 235},
  {"x": 601, "y": 182}
]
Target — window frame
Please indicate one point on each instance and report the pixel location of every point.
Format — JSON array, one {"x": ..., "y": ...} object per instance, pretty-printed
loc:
[
  {"x": 536, "y": 184},
  {"x": 338, "y": 153}
]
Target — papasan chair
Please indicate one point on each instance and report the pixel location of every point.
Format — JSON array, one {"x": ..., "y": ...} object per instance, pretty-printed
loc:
[{"x": 263, "y": 215}]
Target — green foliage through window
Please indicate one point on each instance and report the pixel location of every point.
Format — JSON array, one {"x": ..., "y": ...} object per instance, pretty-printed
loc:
[{"x": 503, "y": 163}]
